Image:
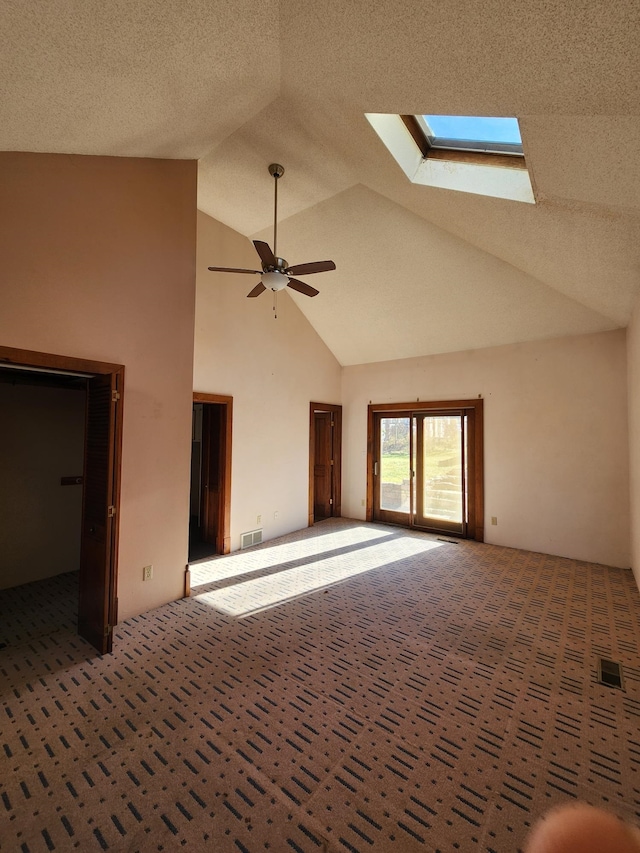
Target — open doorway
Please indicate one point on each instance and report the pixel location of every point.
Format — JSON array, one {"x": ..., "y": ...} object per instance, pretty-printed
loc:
[
  {"x": 102, "y": 386},
  {"x": 41, "y": 458},
  {"x": 210, "y": 500},
  {"x": 325, "y": 461}
]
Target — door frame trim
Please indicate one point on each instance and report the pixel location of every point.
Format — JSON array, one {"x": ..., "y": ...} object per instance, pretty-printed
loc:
[
  {"x": 223, "y": 545},
  {"x": 31, "y": 358},
  {"x": 476, "y": 530},
  {"x": 52, "y": 361},
  {"x": 336, "y": 474}
]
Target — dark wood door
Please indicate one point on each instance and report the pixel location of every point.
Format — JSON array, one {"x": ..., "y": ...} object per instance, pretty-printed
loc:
[
  {"x": 322, "y": 479},
  {"x": 96, "y": 605},
  {"x": 212, "y": 474}
]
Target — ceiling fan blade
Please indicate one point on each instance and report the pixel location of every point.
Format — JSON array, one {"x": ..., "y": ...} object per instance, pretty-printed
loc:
[
  {"x": 307, "y": 269},
  {"x": 301, "y": 287},
  {"x": 266, "y": 255},
  {"x": 257, "y": 290},
  {"x": 233, "y": 269}
]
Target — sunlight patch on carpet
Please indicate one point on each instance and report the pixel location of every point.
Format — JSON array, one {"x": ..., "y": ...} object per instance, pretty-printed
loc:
[
  {"x": 267, "y": 556},
  {"x": 252, "y": 596}
]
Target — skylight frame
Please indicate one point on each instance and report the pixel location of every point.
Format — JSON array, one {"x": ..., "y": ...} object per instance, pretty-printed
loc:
[
  {"x": 500, "y": 176},
  {"x": 497, "y": 154}
]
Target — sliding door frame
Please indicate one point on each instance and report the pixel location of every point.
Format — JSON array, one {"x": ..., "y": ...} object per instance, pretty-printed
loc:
[{"x": 475, "y": 484}]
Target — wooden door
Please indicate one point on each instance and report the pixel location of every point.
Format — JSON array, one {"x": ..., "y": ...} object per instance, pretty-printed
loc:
[
  {"x": 325, "y": 461},
  {"x": 212, "y": 471},
  {"x": 322, "y": 474},
  {"x": 97, "y": 604}
]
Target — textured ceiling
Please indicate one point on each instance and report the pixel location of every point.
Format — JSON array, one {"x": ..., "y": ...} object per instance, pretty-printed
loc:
[{"x": 244, "y": 83}]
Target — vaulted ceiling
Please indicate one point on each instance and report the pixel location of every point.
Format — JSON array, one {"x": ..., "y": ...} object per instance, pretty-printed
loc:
[{"x": 243, "y": 83}]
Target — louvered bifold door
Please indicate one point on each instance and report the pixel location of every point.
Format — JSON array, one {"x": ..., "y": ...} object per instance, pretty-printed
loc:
[{"x": 97, "y": 559}]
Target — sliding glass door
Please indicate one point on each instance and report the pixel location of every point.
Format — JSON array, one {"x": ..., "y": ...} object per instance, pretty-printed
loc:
[
  {"x": 424, "y": 469},
  {"x": 393, "y": 469},
  {"x": 440, "y": 472}
]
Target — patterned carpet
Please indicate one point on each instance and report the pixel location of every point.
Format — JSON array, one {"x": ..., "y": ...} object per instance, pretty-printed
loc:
[{"x": 350, "y": 687}]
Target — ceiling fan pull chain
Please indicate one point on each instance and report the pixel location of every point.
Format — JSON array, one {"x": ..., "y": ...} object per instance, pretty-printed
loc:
[{"x": 275, "y": 304}]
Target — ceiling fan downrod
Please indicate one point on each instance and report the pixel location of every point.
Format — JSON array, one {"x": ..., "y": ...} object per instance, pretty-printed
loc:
[{"x": 276, "y": 171}]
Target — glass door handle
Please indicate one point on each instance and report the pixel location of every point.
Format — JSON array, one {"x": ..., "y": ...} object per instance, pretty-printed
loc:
[{"x": 375, "y": 469}]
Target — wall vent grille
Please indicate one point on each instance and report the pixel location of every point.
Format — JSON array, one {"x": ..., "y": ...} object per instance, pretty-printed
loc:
[
  {"x": 253, "y": 537},
  {"x": 610, "y": 673}
]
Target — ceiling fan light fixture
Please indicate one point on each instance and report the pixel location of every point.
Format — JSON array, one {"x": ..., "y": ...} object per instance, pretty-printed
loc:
[{"x": 275, "y": 280}]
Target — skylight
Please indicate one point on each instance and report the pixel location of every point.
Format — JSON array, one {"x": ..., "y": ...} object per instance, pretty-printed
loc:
[
  {"x": 474, "y": 154},
  {"x": 472, "y": 133}
]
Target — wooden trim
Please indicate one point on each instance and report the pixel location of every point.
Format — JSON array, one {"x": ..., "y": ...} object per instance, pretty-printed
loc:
[
  {"x": 479, "y": 471},
  {"x": 226, "y": 508},
  {"x": 476, "y": 522},
  {"x": 223, "y": 546},
  {"x": 312, "y": 453},
  {"x": 117, "y": 484},
  {"x": 336, "y": 474},
  {"x": 30, "y": 358},
  {"x": 478, "y": 158},
  {"x": 200, "y": 397},
  {"x": 426, "y": 405},
  {"x": 413, "y": 126},
  {"x": 471, "y": 483},
  {"x": 337, "y": 466},
  {"x": 452, "y": 155},
  {"x": 370, "y": 445},
  {"x": 187, "y": 581}
]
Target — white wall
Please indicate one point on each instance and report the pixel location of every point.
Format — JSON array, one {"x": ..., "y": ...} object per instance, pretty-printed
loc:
[
  {"x": 41, "y": 440},
  {"x": 633, "y": 368},
  {"x": 273, "y": 369},
  {"x": 556, "y": 440}
]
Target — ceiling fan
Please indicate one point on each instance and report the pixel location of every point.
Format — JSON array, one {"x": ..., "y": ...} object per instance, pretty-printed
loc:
[{"x": 276, "y": 274}]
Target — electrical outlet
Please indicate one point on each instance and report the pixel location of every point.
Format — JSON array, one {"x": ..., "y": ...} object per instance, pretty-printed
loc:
[
  {"x": 494, "y": 519},
  {"x": 363, "y": 502},
  {"x": 147, "y": 573},
  {"x": 276, "y": 514},
  {"x": 258, "y": 519}
]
